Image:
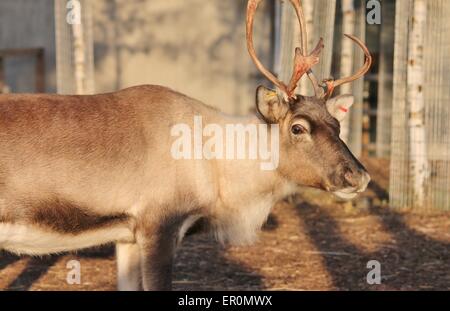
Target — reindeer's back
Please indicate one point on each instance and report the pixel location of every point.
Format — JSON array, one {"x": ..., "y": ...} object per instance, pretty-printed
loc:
[{"x": 90, "y": 145}]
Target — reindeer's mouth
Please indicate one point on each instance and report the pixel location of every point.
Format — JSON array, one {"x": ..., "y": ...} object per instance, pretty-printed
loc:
[
  {"x": 356, "y": 188},
  {"x": 347, "y": 194}
]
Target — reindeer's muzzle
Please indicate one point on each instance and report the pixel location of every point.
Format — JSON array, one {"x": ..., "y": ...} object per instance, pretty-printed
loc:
[
  {"x": 349, "y": 182},
  {"x": 358, "y": 180}
]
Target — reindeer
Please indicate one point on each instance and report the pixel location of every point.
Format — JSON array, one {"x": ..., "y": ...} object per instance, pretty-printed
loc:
[{"x": 82, "y": 171}]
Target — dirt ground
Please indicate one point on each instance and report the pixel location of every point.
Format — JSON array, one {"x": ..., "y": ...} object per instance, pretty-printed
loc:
[{"x": 311, "y": 242}]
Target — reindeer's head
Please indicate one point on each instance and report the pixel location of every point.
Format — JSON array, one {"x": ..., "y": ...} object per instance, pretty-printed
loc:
[{"x": 311, "y": 152}]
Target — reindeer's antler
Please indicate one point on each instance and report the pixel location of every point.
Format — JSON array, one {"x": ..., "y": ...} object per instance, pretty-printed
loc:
[
  {"x": 252, "y": 6},
  {"x": 302, "y": 62},
  {"x": 332, "y": 84},
  {"x": 304, "y": 47}
]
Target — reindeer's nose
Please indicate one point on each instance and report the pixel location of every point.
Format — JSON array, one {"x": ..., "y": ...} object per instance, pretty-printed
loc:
[
  {"x": 359, "y": 180},
  {"x": 351, "y": 178}
]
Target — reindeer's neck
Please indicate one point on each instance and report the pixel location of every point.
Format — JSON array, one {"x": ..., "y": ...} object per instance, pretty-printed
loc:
[
  {"x": 246, "y": 197},
  {"x": 249, "y": 176},
  {"x": 246, "y": 194}
]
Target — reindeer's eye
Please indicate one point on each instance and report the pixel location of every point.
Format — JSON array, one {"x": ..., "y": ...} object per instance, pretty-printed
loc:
[{"x": 297, "y": 129}]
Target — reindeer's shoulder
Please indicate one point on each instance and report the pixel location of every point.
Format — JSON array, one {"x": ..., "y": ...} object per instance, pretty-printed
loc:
[
  {"x": 163, "y": 99},
  {"x": 152, "y": 91}
]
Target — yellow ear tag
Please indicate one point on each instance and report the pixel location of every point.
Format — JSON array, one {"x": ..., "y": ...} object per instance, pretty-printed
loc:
[{"x": 270, "y": 95}]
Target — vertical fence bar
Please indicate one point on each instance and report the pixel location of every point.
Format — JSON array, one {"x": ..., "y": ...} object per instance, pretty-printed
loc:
[
  {"x": 385, "y": 73},
  {"x": 399, "y": 179}
]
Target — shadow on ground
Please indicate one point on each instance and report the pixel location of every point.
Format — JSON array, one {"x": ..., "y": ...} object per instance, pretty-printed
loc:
[
  {"x": 411, "y": 261},
  {"x": 200, "y": 264}
]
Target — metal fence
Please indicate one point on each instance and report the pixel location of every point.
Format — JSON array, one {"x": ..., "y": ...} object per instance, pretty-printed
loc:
[{"x": 420, "y": 149}]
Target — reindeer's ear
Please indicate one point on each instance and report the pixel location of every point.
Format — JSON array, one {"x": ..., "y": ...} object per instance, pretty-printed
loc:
[
  {"x": 339, "y": 106},
  {"x": 269, "y": 105}
]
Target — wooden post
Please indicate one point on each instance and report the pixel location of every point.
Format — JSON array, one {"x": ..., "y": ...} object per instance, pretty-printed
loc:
[
  {"x": 40, "y": 71},
  {"x": 2, "y": 75}
]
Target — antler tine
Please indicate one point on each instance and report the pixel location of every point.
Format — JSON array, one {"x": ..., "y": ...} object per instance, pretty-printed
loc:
[
  {"x": 302, "y": 62},
  {"x": 304, "y": 49},
  {"x": 361, "y": 72},
  {"x": 252, "y": 6},
  {"x": 301, "y": 20}
]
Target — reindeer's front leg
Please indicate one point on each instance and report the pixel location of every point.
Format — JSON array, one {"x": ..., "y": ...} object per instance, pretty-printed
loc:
[
  {"x": 157, "y": 248},
  {"x": 128, "y": 267}
]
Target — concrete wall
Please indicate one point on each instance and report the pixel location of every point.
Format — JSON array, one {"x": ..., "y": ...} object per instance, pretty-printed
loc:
[{"x": 194, "y": 46}]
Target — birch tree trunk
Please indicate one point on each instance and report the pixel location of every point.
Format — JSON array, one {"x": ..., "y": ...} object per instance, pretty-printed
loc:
[
  {"x": 308, "y": 9},
  {"x": 320, "y": 17},
  {"x": 346, "y": 61},
  {"x": 79, "y": 59},
  {"x": 324, "y": 20},
  {"x": 355, "y": 134},
  {"x": 289, "y": 39},
  {"x": 416, "y": 101},
  {"x": 74, "y": 47}
]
